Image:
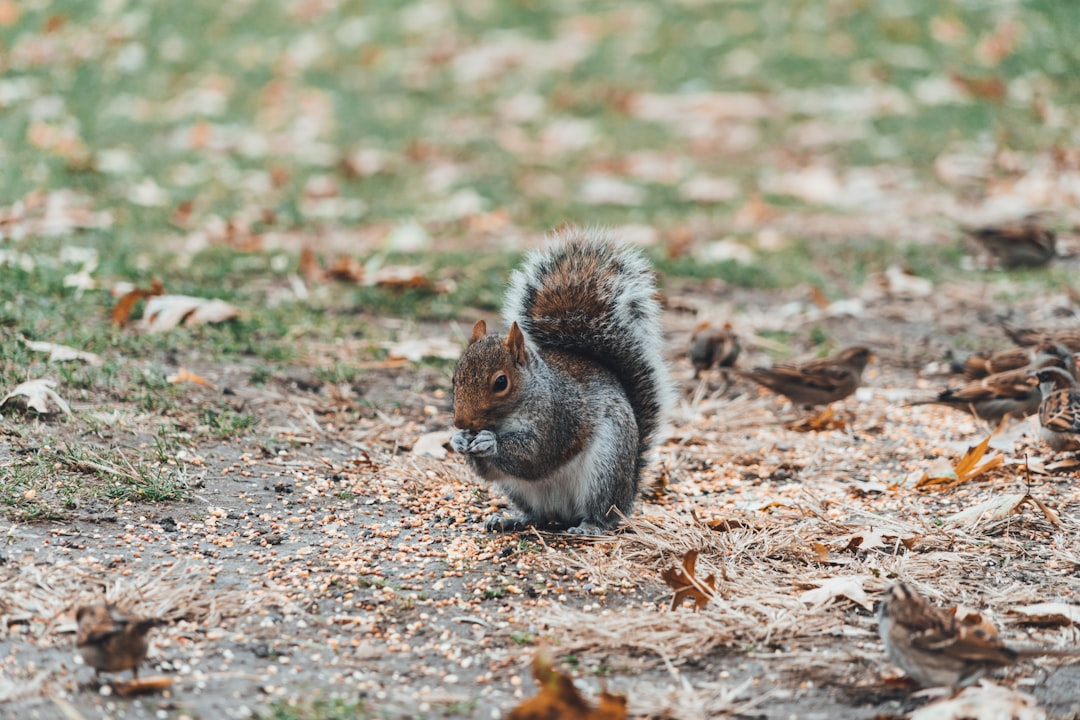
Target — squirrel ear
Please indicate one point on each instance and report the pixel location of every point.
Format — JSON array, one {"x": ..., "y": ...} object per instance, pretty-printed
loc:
[
  {"x": 515, "y": 343},
  {"x": 479, "y": 330}
]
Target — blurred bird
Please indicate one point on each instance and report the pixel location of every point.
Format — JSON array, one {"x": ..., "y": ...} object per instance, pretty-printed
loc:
[
  {"x": 817, "y": 382},
  {"x": 1009, "y": 394},
  {"x": 1026, "y": 242},
  {"x": 1027, "y": 337},
  {"x": 712, "y": 346},
  {"x": 110, "y": 640},
  {"x": 937, "y": 648},
  {"x": 980, "y": 365},
  {"x": 1059, "y": 412}
]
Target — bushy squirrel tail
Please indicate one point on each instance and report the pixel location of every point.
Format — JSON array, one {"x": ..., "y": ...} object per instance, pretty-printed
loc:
[{"x": 588, "y": 295}]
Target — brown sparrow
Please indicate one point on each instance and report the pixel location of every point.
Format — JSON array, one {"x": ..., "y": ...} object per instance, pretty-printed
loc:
[
  {"x": 817, "y": 382},
  {"x": 980, "y": 365},
  {"x": 1026, "y": 242},
  {"x": 1026, "y": 337},
  {"x": 1008, "y": 394},
  {"x": 110, "y": 640},
  {"x": 937, "y": 648},
  {"x": 1059, "y": 413},
  {"x": 712, "y": 346}
]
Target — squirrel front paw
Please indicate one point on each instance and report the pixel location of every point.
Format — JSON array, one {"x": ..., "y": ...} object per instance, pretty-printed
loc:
[
  {"x": 460, "y": 441},
  {"x": 481, "y": 444}
]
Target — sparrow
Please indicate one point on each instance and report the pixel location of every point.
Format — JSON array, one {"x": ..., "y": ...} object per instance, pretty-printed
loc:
[
  {"x": 980, "y": 365},
  {"x": 1009, "y": 394},
  {"x": 816, "y": 382},
  {"x": 936, "y": 648},
  {"x": 713, "y": 346},
  {"x": 1059, "y": 412},
  {"x": 1026, "y": 337},
  {"x": 111, "y": 640},
  {"x": 1026, "y": 242}
]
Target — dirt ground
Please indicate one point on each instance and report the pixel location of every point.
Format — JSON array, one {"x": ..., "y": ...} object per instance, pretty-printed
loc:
[{"x": 321, "y": 566}]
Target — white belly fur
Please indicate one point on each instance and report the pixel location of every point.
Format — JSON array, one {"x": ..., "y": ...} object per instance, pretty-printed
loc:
[{"x": 565, "y": 493}]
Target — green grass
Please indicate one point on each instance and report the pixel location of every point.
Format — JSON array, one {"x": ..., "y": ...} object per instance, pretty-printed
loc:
[{"x": 316, "y": 710}]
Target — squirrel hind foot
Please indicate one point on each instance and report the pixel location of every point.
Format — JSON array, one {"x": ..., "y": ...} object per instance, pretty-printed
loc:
[
  {"x": 586, "y": 528},
  {"x": 498, "y": 523}
]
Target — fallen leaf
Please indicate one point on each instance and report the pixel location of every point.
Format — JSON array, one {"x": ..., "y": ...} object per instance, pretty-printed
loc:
[
  {"x": 865, "y": 540},
  {"x": 999, "y": 508},
  {"x": 416, "y": 349},
  {"x": 848, "y": 586},
  {"x": 143, "y": 685},
  {"x": 402, "y": 277},
  {"x": 823, "y": 421},
  {"x": 63, "y": 353},
  {"x": 559, "y": 699},
  {"x": 823, "y": 556},
  {"x": 984, "y": 88},
  {"x": 965, "y": 469},
  {"x": 431, "y": 444},
  {"x": 687, "y": 585},
  {"x": 986, "y": 702},
  {"x": 310, "y": 267},
  {"x": 165, "y": 312},
  {"x": 1051, "y": 614},
  {"x": 609, "y": 190},
  {"x": 38, "y": 394},
  {"x": 349, "y": 269},
  {"x": 121, "y": 311},
  {"x": 183, "y": 375},
  {"x": 728, "y": 524}
]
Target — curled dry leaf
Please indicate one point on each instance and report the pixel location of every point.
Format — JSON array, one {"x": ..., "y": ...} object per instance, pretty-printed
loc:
[
  {"x": 729, "y": 524},
  {"x": 849, "y": 587},
  {"x": 999, "y": 508},
  {"x": 143, "y": 686},
  {"x": 38, "y": 393},
  {"x": 63, "y": 353},
  {"x": 402, "y": 277},
  {"x": 965, "y": 469},
  {"x": 183, "y": 375},
  {"x": 687, "y": 585},
  {"x": 1051, "y": 614},
  {"x": 416, "y": 349},
  {"x": 984, "y": 701},
  {"x": 432, "y": 444},
  {"x": 165, "y": 312},
  {"x": 825, "y": 420},
  {"x": 121, "y": 311},
  {"x": 559, "y": 698},
  {"x": 346, "y": 269}
]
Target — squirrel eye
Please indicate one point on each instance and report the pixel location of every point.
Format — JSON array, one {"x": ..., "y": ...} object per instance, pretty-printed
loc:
[{"x": 500, "y": 384}]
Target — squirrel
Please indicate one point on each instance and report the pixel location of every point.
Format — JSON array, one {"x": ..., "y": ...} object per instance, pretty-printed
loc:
[{"x": 562, "y": 411}]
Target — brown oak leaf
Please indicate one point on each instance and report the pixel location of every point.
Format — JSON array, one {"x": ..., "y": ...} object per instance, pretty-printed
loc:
[
  {"x": 559, "y": 699},
  {"x": 687, "y": 585}
]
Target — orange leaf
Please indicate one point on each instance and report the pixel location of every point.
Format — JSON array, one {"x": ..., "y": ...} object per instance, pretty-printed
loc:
[
  {"x": 310, "y": 267},
  {"x": 182, "y": 375},
  {"x": 346, "y": 269},
  {"x": 985, "y": 88},
  {"x": 9, "y": 13},
  {"x": 965, "y": 469},
  {"x": 825, "y": 420},
  {"x": 121, "y": 311},
  {"x": 559, "y": 698},
  {"x": 687, "y": 585}
]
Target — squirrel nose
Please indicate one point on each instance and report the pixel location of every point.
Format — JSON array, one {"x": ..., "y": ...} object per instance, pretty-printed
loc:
[{"x": 463, "y": 423}]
